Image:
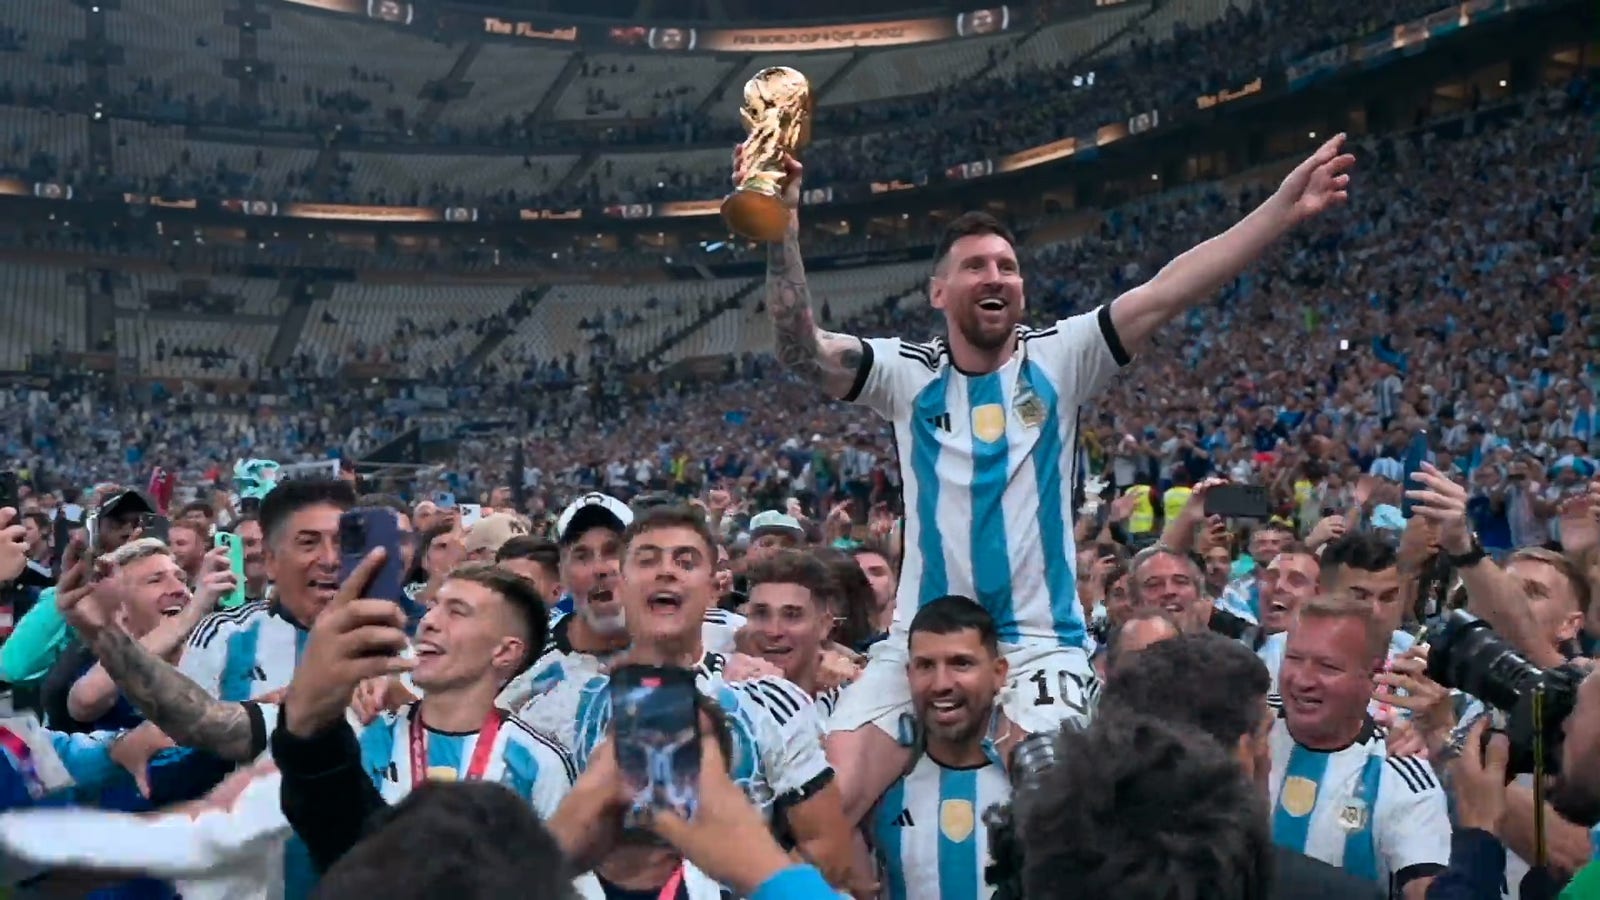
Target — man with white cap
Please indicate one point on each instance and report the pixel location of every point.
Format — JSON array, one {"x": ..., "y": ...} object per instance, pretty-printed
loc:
[
  {"x": 772, "y": 531},
  {"x": 595, "y": 629}
]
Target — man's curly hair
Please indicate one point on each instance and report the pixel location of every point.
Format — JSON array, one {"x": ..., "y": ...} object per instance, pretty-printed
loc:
[{"x": 1138, "y": 809}]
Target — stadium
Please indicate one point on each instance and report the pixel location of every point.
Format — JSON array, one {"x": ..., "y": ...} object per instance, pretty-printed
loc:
[
  {"x": 421, "y": 235},
  {"x": 1069, "y": 449}
]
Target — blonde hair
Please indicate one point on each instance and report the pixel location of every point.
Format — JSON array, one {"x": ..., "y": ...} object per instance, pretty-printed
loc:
[
  {"x": 133, "y": 551},
  {"x": 1564, "y": 566},
  {"x": 1343, "y": 605}
]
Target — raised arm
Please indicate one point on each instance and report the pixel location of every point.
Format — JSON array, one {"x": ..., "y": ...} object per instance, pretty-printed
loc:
[
  {"x": 167, "y": 697},
  {"x": 1315, "y": 185},
  {"x": 831, "y": 361}
]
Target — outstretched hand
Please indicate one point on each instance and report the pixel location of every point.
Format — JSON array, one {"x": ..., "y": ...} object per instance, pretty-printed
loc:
[{"x": 1318, "y": 184}]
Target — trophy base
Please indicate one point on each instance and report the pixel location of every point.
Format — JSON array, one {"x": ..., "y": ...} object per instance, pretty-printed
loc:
[{"x": 757, "y": 216}]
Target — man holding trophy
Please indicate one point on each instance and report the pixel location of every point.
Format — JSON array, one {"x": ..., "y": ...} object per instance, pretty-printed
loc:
[{"x": 985, "y": 421}]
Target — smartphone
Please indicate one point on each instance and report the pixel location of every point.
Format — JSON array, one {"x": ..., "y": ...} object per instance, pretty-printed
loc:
[
  {"x": 1416, "y": 455},
  {"x": 656, "y": 734},
  {"x": 444, "y": 500},
  {"x": 471, "y": 514},
  {"x": 158, "y": 527},
  {"x": 1238, "y": 501},
  {"x": 235, "y": 544},
  {"x": 9, "y": 490},
  {"x": 360, "y": 530},
  {"x": 91, "y": 534},
  {"x": 1344, "y": 345}
]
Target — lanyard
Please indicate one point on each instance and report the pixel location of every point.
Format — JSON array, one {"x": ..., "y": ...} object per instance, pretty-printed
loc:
[
  {"x": 480, "y": 751},
  {"x": 669, "y": 891}
]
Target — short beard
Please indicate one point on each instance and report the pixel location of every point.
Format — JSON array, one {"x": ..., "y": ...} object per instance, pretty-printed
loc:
[
  {"x": 1577, "y": 803},
  {"x": 605, "y": 624}
]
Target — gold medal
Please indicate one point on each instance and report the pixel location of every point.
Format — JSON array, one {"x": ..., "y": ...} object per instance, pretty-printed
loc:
[
  {"x": 1298, "y": 796},
  {"x": 443, "y": 773}
]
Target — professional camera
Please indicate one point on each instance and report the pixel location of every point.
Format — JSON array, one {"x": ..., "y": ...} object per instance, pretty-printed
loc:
[
  {"x": 1031, "y": 761},
  {"x": 1466, "y": 654}
]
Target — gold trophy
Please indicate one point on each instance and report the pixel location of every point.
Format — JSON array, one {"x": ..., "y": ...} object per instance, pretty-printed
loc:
[{"x": 777, "y": 113}]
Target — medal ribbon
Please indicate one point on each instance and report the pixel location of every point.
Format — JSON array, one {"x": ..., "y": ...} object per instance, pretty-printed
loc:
[
  {"x": 18, "y": 749},
  {"x": 480, "y": 751}
]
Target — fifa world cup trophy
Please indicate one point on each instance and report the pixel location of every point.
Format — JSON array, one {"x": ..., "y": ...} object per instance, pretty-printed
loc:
[{"x": 777, "y": 114}]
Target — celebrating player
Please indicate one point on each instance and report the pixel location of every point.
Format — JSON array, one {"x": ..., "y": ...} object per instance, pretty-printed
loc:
[{"x": 985, "y": 420}]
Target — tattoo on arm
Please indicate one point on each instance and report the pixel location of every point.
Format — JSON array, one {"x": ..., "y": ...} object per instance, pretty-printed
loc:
[
  {"x": 826, "y": 359},
  {"x": 172, "y": 701}
]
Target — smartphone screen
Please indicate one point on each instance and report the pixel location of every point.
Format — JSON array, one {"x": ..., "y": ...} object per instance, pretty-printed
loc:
[
  {"x": 154, "y": 526},
  {"x": 1238, "y": 501},
  {"x": 235, "y": 544},
  {"x": 360, "y": 530},
  {"x": 1416, "y": 455},
  {"x": 91, "y": 534},
  {"x": 471, "y": 514},
  {"x": 9, "y": 490},
  {"x": 444, "y": 500},
  {"x": 656, "y": 729}
]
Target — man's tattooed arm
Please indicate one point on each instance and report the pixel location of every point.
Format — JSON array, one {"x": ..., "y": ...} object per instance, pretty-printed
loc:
[
  {"x": 173, "y": 702},
  {"x": 828, "y": 360}
]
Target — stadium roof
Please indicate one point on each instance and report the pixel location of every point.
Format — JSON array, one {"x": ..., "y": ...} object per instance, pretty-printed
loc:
[{"x": 728, "y": 11}]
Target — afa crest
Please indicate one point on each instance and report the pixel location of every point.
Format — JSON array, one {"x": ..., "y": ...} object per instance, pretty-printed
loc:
[{"x": 957, "y": 819}]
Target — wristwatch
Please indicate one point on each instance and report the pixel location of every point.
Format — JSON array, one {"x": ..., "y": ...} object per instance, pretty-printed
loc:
[{"x": 1470, "y": 558}]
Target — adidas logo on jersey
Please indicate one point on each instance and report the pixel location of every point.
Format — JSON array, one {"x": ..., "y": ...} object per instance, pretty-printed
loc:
[
  {"x": 904, "y": 820},
  {"x": 940, "y": 422}
]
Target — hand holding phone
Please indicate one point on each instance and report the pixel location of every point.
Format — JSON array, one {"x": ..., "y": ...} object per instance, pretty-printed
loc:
[
  {"x": 1238, "y": 501},
  {"x": 361, "y": 531},
  {"x": 235, "y": 547},
  {"x": 656, "y": 737}
]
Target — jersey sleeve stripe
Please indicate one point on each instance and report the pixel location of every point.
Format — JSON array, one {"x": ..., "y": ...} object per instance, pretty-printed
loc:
[
  {"x": 1415, "y": 774},
  {"x": 790, "y": 697},
  {"x": 788, "y": 689},
  {"x": 770, "y": 699},
  {"x": 211, "y": 624},
  {"x": 863, "y": 369},
  {"x": 1108, "y": 330},
  {"x": 567, "y": 763}
]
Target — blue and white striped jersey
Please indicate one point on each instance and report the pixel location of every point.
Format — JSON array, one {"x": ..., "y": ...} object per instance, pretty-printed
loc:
[
  {"x": 534, "y": 766},
  {"x": 929, "y": 833},
  {"x": 1373, "y": 815},
  {"x": 776, "y": 734},
  {"x": 240, "y": 654},
  {"x": 559, "y": 661},
  {"x": 988, "y": 464}
]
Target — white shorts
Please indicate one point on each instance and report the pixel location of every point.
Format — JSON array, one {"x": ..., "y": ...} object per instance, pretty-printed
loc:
[{"x": 1047, "y": 687}]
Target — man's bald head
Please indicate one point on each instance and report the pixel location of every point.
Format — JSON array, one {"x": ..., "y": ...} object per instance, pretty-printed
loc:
[{"x": 1140, "y": 630}]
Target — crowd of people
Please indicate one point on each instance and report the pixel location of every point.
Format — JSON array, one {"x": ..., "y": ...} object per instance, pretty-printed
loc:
[
  {"x": 1015, "y": 108},
  {"x": 1220, "y": 577}
]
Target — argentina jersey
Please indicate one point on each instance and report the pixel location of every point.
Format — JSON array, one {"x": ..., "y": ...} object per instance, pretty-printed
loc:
[
  {"x": 929, "y": 834},
  {"x": 532, "y": 765},
  {"x": 775, "y": 733},
  {"x": 553, "y": 707},
  {"x": 1378, "y": 817},
  {"x": 559, "y": 661},
  {"x": 241, "y": 654},
  {"x": 987, "y": 466}
]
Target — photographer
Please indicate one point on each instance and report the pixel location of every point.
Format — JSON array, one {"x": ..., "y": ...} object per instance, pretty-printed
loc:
[{"x": 1492, "y": 593}]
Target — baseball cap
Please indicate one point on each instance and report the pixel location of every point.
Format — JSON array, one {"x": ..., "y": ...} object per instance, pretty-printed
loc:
[
  {"x": 772, "y": 520},
  {"x": 592, "y": 510},
  {"x": 126, "y": 503},
  {"x": 488, "y": 533}
]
